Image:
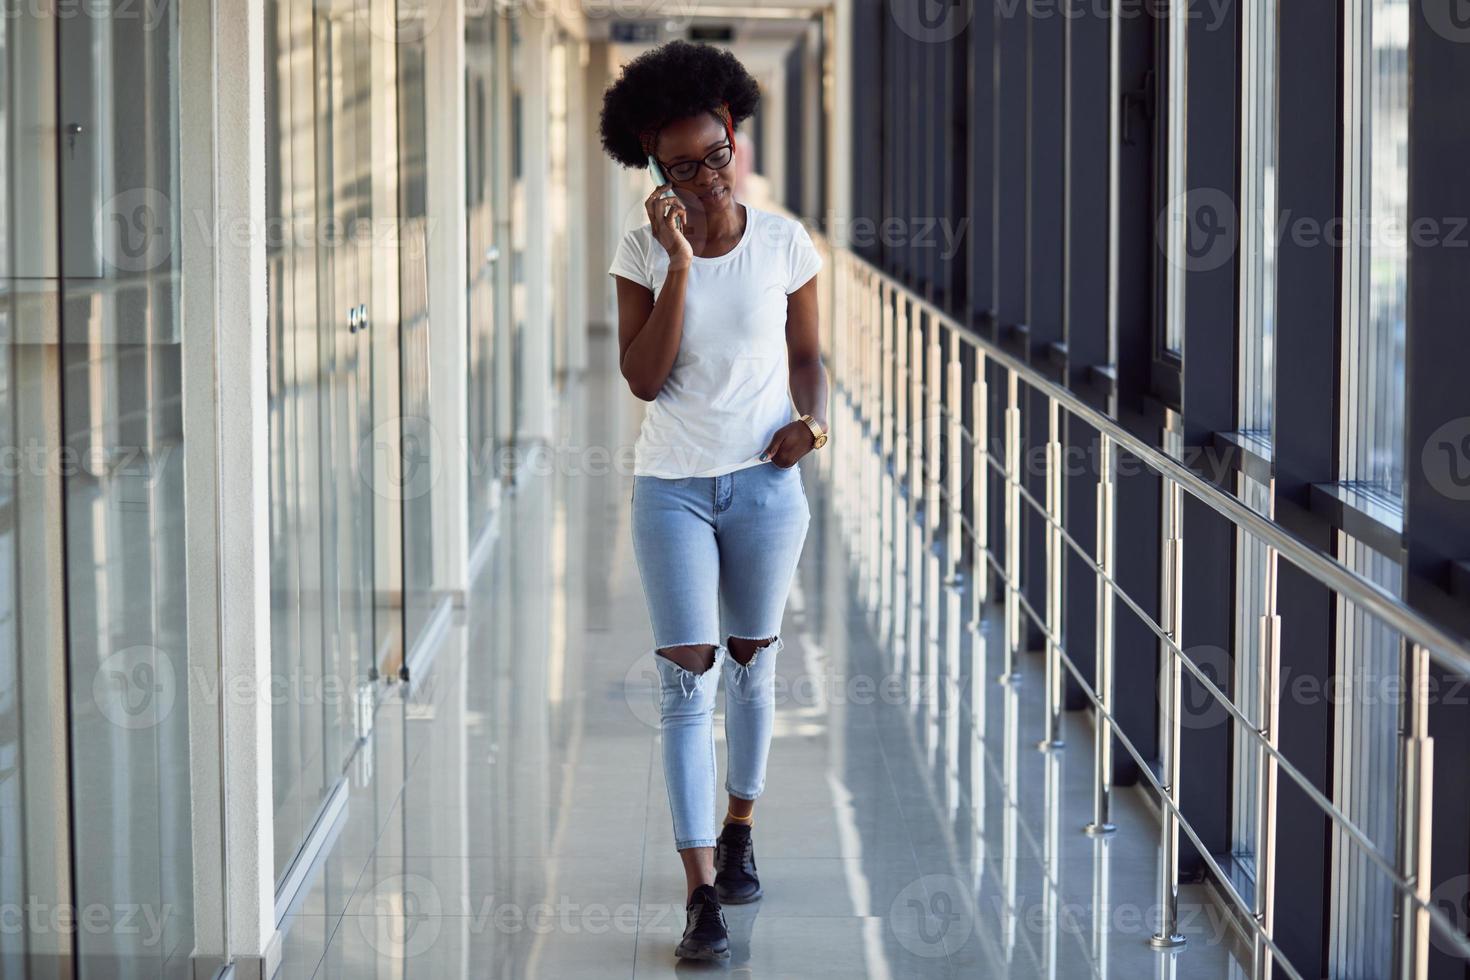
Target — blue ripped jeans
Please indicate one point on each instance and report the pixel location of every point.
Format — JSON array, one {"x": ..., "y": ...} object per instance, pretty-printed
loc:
[{"x": 717, "y": 556}]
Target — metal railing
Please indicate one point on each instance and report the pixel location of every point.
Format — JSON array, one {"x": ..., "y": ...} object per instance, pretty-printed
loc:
[{"x": 898, "y": 365}]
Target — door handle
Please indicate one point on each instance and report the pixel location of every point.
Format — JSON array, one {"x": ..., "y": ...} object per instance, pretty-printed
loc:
[
  {"x": 362, "y": 317},
  {"x": 492, "y": 254},
  {"x": 352, "y": 319}
]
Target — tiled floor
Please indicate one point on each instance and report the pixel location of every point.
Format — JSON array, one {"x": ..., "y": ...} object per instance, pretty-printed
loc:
[{"x": 906, "y": 832}]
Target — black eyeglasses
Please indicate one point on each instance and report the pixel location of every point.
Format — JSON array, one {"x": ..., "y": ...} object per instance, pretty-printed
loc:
[{"x": 717, "y": 159}]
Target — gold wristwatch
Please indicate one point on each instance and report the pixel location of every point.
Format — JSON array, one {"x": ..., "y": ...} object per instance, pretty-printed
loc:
[{"x": 817, "y": 431}]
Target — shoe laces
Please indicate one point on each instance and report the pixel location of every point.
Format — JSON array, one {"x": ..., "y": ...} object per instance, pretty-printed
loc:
[
  {"x": 737, "y": 852},
  {"x": 707, "y": 913}
]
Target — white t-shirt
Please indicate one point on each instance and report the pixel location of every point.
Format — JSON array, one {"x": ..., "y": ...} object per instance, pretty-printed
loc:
[{"x": 729, "y": 390}]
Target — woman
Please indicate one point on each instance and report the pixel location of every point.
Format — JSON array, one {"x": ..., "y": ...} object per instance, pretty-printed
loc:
[{"x": 717, "y": 331}]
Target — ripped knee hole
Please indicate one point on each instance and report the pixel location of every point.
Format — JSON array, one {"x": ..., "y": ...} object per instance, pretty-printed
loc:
[{"x": 693, "y": 657}]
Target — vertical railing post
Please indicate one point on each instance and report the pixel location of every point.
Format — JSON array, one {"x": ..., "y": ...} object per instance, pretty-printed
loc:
[
  {"x": 1010, "y": 674},
  {"x": 1170, "y": 700},
  {"x": 1416, "y": 808},
  {"x": 1268, "y": 716},
  {"x": 1055, "y": 678},
  {"x": 887, "y": 360},
  {"x": 1102, "y": 730},
  {"x": 934, "y": 440},
  {"x": 903, "y": 385},
  {"x": 914, "y": 596},
  {"x": 980, "y": 492},
  {"x": 954, "y": 472}
]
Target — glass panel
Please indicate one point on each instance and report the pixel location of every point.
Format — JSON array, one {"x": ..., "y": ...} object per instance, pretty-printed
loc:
[
  {"x": 1250, "y": 605},
  {"x": 1375, "y": 269},
  {"x": 33, "y": 745},
  {"x": 1258, "y": 206},
  {"x": 296, "y": 422},
  {"x": 333, "y": 269},
  {"x": 121, "y": 416},
  {"x": 484, "y": 261},
  {"x": 519, "y": 208},
  {"x": 558, "y": 195},
  {"x": 1366, "y": 727},
  {"x": 418, "y": 435}
]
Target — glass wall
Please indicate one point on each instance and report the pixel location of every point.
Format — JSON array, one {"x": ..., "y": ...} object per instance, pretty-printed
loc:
[
  {"x": 1258, "y": 213},
  {"x": 482, "y": 172},
  {"x": 420, "y": 443},
  {"x": 1375, "y": 264},
  {"x": 331, "y": 120},
  {"x": 1366, "y": 730},
  {"x": 96, "y": 781}
]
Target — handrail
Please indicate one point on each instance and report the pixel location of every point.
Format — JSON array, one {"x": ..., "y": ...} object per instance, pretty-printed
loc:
[
  {"x": 1433, "y": 641},
  {"x": 1450, "y": 651}
]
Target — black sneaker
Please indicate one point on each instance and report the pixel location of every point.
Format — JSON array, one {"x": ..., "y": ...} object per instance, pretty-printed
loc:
[
  {"x": 705, "y": 934},
  {"x": 735, "y": 878}
]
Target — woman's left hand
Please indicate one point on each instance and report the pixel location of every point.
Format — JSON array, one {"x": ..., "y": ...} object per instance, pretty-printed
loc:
[{"x": 791, "y": 442}]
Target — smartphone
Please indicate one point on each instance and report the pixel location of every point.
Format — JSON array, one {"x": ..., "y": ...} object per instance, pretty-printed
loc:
[{"x": 658, "y": 181}]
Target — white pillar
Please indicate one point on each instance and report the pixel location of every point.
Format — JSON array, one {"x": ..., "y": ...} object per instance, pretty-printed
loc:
[
  {"x": 201, "y": 487},
  {"x": 223, "y": 169},
  {"x": 444, "y": 66}
]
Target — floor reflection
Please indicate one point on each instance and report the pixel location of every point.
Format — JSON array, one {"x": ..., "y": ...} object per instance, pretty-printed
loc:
[{"x": 911, "y": 827}]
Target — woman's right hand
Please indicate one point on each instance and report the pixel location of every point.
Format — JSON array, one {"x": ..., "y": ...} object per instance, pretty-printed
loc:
[{"x": 661, "y": 214}]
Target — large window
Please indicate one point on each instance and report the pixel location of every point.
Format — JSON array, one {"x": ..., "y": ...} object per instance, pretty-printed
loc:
[
  {"x": 1375, "y": 261},
  {"x": 1365, "y": 730},
  {"x": 1258, "y": 218}
]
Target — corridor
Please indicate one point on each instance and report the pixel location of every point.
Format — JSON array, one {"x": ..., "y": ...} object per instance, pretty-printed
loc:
[
  {"x": 532, "y": 835},
  {"x": 1121, "y": 349}
]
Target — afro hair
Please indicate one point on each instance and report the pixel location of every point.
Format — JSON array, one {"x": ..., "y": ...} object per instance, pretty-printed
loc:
[{"x": 674, "y": 81}]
